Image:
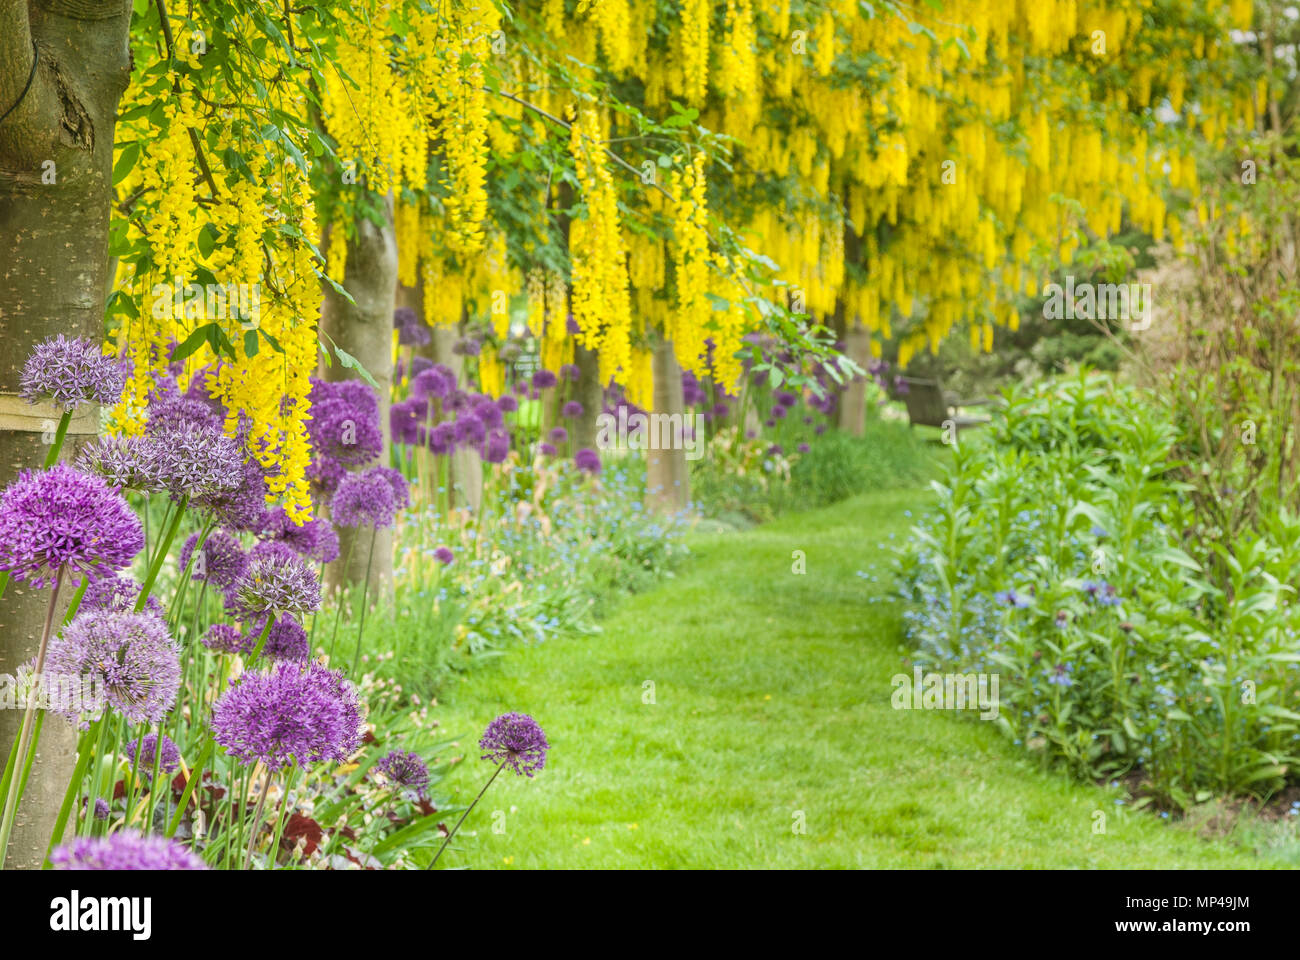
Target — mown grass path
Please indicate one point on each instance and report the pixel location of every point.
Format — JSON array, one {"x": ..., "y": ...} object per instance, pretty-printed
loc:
[{"x": 771, "y": 696}]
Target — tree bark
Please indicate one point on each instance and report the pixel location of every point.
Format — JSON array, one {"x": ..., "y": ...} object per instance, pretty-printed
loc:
[
  {"x": 668, "y": 480},
  {"x": 852, "y": 412},
  {"x": 56, "y": 159},
  {"x": 365, "y": 330},
  {"x": 589, "y": 392}
]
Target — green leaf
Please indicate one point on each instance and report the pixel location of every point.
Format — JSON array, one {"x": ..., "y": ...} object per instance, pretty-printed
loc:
[
  {"x": 251, "y": 343},
  {"x": 125, "y": 162},
  {"x": 195, "y": 340}
]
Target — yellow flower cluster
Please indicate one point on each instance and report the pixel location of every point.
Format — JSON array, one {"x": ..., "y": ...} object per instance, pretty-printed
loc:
[
  {"x": 686, "y": 326},
  {"x": 491, "y": 374},
  {"x": 600, "y": 298},
  {"x": 693, "y": 41},
  {"x": 456, "y": 44}
]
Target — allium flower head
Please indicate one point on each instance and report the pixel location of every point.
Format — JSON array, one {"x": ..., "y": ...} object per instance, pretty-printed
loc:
[
  {"x": 444, "y": 555},
  {"x": 470, "y": 430},
  {"x": 431, "y": 384},
  {"x": 173, "y": 410},
  {"x": 507, "y": 404},
  {"x": 546, "y": 449},
  {"x": 558, "y": 436},
  {"x": 71, "y": 371},
  {"x": 344, "y": 429},
  {"x": 286, "y": 641},
  {"x": 63, "y": 517},
  {"x": 276, "y": 582},
  {"x": 401, "y": 490},
  {"x": 405, "y": 769},
  {"x": 587, "y": 460},
  {"x": 124, "y": 462},
  {"x": 415, "y": 334},
  {"x": 170, "y": 760},
  {"x": 288, "y": 715},
  {"x": 571, "y": 372},
  {"x": 224, "y": 638},
  {"x": 242, "y": 507},
  {"x": 221, "y": 561},
  {"x": 118, "y": 593},
  {"x": 124, "y": 850},
  {"x": 442, "y": 438},
  {"x": 196, "y": 460},
  {"x": 571, "y": 410},
  {"x": 313, "y": 539},
  {"x": 496, "y": 447},
  {"x": 543, "y": 380},
  {"x": 130, "y": 656},
  {"x": 515, "y": 739},
  {"x": 364, "y": 500}
]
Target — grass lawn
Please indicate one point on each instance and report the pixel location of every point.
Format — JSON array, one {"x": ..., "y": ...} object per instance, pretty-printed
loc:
[{"x": 771, "y": 697}]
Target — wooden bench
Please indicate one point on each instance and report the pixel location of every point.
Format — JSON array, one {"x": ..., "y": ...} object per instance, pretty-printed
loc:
[{"x": 929, "y": 405}]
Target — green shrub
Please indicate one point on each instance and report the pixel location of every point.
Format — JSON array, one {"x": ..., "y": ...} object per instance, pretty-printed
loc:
[{"x": 1058, "y": 557}]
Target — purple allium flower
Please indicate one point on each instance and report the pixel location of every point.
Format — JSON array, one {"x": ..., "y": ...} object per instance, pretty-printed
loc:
[
  {"x": 804, "y": 448},
  {"x": 521, "y": 388},
  {"x": 101, "y": 809},
  {"x": 588, "y": 461},
  {"x": 517, "y": 740},
  {"x": 71, "y": 371},
  {"x": 778, "y": 413},
  {"x": 543, "y": 380},
  {"x": 558, "y": 436},
  {"x": 496, "y": 447},
  {"x": 415, "y": 334},
  {"x": 467, "y": 347},
  {"x": 404, "y": 420},
  {"x": 820, "y": 429},
  {"x": 62, "y": 517},
  {"x": 486, "y": 409},
  {"x": 546, "y": 450},
  {"x": 129, "y": 655},
  {"x": 405, "y": 769},
  {"x": 571, "y": 410},
  {"x": 442, "y": 438},
  {"x": 785, "y": 398},
  {"x": 313, "y": 539},
  {"x": 221, "y": 560},
  {"x": 401, "y": 490},
  {"x": 470, "y": 430},
  {"x": 770, "y": 422},
  {"x": 900, "y": 385},
  {"x": 276, "y": 583},
  {"x": 174, "y": 410},
  {"x": 244, "y": 506},
  {"x": 124, "y": 850},
  {"x": 431, "y": 383},
  {"x": 419, "y": 365},
  {"x": 507, "y": 404},
  {"x": 344, "y": 429},
  {"x": 364, "y": 500},
  {"x": 571, "y": 372},
  {"x": 720, "y": 409},
  {"x": 123, "y": 462},
  {"x": 572, "y": 326},
  {"x": 404, "y": 317},
  {"x": 286, "y": 641},
  {"x": 170, "y": 760},
  {"x": 288, "y": 714},
  {"x": 194, "y": 460},
  {"x": 444, "y": 555},
  {"x": 224, "y": 638},
  {"x": 775, "y": 450},
  {"x": 117, "y": 593}
]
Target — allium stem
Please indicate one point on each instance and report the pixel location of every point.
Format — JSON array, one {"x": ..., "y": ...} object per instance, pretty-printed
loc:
[
  {"x": 279, "y": 820},
  {"x": 257, "y": 822},
  {"x": 338, "y": 610},
  {"x": 25, "y": 732},
  {"x": 365, "y": 588},
  {"x": 161, "y": 555},
  {"x": 447, "y": 840},
  {"x": 52, "y": 457},
  {"x": 261, "y": 641},
  {"x": 196, "y": 775}
]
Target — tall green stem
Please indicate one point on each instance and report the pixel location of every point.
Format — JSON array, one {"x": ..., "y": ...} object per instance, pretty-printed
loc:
[{"x": 447, "y": 840}]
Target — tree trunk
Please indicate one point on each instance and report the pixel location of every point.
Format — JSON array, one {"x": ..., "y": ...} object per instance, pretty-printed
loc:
[
  {"x": 589, "y": 392},
  {"x": 365, "y": 330},
  {"x": 56, "y": 158},
  {"x": 466, "y": 465},
  {"x": 852, "y": 412},
  {"x": 668, "y": 481}
]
